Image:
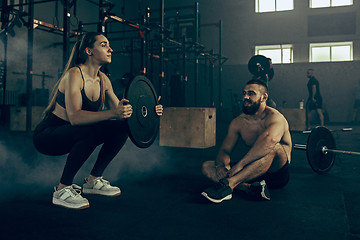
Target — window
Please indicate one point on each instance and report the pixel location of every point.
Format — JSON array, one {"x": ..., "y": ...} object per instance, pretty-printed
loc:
[
  {"x": 329, "y": 3},
  {"x": 273, "y": 5},
  {"x": 277, "y": 53},
  {"x": 331, "y": 52}
]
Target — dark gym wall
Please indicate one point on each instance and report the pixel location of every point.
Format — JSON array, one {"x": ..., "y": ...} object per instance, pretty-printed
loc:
[{"x": 242, "y": 30}]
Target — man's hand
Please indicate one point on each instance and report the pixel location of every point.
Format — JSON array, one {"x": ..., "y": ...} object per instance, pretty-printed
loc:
[
  {"x": 221, "y": 171},
  {"x": 123, "y": 110},
  {"x": 234, "y": 170}
]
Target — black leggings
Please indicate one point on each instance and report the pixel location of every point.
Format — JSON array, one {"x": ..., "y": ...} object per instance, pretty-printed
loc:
[{"x": 55, "y": 136}]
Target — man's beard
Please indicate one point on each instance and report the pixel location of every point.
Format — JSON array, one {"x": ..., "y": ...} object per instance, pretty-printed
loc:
[{"x": 252, "y": 109}]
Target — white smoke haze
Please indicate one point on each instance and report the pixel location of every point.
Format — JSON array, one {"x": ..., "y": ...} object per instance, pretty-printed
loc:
[
  {"x": 18, "y": 167},
  {"x": 22, "y": 167},
  {"x": 47, "y": 57},
  {"x": 133, "y": 163}
]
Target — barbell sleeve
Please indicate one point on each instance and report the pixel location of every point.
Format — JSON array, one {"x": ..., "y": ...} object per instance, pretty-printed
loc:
[
  {"x": 300, "y": 147},
  {"x": 325, "y": 150}
]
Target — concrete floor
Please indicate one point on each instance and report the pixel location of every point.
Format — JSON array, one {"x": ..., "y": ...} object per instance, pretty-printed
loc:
[{"x": 161, "y": 198}]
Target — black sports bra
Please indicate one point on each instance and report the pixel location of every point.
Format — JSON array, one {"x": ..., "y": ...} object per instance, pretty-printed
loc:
[{"x": 87, "y": 104}]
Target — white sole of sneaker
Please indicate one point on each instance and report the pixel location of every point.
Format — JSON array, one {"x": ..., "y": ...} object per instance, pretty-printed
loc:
[
  {"x": 99, "y": 192},
  {"x": 62, "y": 203},
  {"x": 263, "y": 194},
  {"x": 228, "y": 197}
]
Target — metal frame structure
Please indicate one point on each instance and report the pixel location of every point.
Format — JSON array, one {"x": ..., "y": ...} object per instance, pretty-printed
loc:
[
  {"x": 167, "y": 45},
  {"x": 182, "y": 47},
  {"x": 32, "y": 24}
]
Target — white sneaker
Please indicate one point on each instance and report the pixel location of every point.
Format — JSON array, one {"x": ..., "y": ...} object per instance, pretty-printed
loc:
[
  {"x": 100, "y": 186},
  {"x": 70, "y": 197}
]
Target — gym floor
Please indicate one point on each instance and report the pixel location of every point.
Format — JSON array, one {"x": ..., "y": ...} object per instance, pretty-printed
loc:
[{"x": 161, "y": 198}]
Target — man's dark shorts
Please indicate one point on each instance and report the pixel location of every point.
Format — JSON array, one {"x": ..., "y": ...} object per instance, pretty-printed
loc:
[{"x": 277, "y": 179}]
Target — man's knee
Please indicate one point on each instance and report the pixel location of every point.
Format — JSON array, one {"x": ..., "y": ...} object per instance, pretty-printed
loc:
[
  {"x": 273, "y": 154},
  {"x": 278, "y": 157},
  {"x": 281, "y": 152}
]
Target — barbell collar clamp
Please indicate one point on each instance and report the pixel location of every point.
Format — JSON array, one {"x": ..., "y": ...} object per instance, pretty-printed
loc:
[{"x": 300, "y": 146}]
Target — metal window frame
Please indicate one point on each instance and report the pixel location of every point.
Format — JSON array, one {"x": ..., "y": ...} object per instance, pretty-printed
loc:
[
  {"x": 330, "y": 45},
  {"x": 330, "y": 5},
  {"x": 280, "y": 47},
  {"x": 257, "y": 7}
]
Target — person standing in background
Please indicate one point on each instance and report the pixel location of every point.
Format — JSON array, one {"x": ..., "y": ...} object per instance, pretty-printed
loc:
[
  {"x": 357, "y": 100},
  {"x": 314, "y": 101}
]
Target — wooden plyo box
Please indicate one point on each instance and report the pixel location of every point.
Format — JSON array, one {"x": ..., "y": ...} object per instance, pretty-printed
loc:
[
  {"x": 188, "y": 127},
  {"x": 295, "y": 117}
]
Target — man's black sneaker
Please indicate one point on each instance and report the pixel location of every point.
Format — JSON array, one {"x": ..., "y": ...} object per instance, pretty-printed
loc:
[
  {"x": 260, "y": 190},
  {"x": 219, "y": 192}
]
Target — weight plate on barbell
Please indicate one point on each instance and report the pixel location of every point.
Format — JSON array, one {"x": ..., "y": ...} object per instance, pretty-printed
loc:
[
  {"x": 321, "y": 162},
  {"x": 260, "y": 65},
  {"x": 144, "y": 122}
]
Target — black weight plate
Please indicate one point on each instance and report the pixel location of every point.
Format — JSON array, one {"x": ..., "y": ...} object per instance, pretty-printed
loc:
[
  {"x": 271, "y": 73},
  {"x": 144, "y": 122},
  {"x": 320, "y": 162},
  {"x": 259, "y": 65}
]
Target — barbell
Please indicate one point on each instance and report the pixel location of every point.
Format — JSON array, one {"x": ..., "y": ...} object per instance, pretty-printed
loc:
[{"x": 321, "y": 150}]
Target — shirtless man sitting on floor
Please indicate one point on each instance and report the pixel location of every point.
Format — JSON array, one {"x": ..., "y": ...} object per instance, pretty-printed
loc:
[{"x": 266, "y": 165}]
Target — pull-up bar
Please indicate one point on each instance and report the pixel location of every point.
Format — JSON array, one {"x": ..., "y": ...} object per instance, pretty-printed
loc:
[{"x": 52, "y": 28}]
